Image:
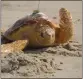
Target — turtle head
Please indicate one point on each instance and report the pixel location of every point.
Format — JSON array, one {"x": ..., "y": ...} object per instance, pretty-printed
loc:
[
  {"x": 65, "y": 15},
  {"x": 45, "y": 35}
]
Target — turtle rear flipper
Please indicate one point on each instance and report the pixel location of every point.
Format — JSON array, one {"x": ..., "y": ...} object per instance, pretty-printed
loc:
[
  {"x": 4, "y": 40},
  {"x": 13, "y": 47}
]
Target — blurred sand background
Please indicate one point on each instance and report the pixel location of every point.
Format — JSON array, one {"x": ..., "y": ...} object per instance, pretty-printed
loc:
[{"x": 14, "y": 10}]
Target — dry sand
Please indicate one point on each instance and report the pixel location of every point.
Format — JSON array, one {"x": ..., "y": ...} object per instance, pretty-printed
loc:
[{"x": 52, "y": 62}]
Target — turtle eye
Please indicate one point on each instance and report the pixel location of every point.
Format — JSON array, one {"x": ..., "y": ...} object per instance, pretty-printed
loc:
[{"x": 42, "y": 35}]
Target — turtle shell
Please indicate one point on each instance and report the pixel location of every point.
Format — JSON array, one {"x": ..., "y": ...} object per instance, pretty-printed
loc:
[{"x": 38, "y": 29}]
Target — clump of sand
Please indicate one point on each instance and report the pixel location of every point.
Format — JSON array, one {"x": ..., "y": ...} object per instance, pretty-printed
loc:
[{"x": 38, "y": 62}]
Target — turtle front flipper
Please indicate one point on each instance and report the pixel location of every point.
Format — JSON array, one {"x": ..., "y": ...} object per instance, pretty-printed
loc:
[
  {"x": 13, "y": 47},
  {"x": 66, "y": 26}
]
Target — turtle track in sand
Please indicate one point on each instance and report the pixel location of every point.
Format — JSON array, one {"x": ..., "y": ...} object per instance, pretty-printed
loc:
[{"x": 34, "y": 62}]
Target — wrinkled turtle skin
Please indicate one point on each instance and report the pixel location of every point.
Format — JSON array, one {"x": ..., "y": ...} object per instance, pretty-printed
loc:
[{"x": 40, "y": 31}]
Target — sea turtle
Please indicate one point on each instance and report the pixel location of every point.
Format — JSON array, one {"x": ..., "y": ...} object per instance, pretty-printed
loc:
[{"x": 37, "y": 30}]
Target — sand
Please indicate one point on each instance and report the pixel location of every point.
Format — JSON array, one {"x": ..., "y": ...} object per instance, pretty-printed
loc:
[{"x": 51, "y": 62}]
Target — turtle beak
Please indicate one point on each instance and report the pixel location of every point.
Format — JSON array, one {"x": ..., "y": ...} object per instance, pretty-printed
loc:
[{"x": 48, "y": 37}]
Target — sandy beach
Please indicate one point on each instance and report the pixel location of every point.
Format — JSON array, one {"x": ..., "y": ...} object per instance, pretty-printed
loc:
[{"x": 52, "y": 62}]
